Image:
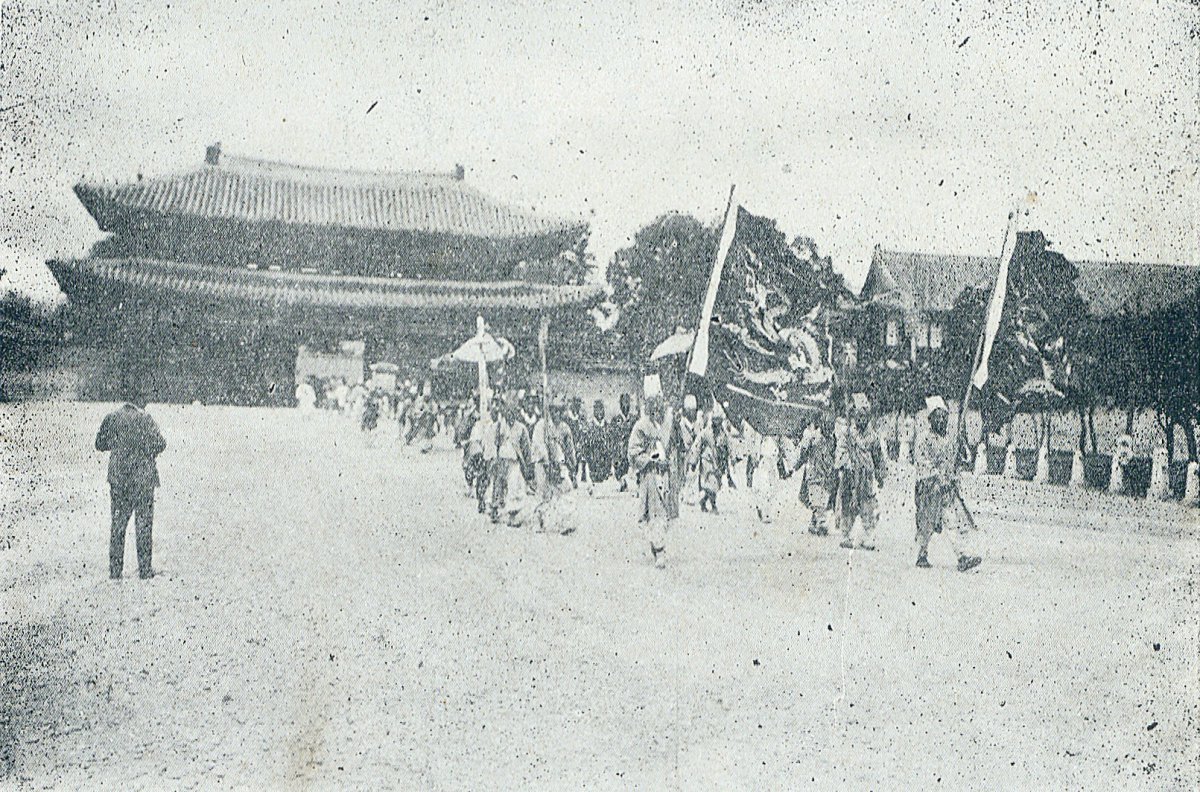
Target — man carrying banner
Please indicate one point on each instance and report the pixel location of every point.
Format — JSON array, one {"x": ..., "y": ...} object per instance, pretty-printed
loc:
[
  {"x": 936, "y": 491},
  {"x": 861, "y": 468},
  {"x": 763, "y": 344}
]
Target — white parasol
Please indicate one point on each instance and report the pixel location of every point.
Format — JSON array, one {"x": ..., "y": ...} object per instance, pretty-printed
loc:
[
  {"x": 678, "y": 343},
  {"x": 481, "y": 349}
]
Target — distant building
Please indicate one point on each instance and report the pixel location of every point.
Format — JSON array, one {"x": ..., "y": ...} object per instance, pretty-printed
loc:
[
  {"x": 218, "y": 275},
  {"x": 914, "y": 293}
]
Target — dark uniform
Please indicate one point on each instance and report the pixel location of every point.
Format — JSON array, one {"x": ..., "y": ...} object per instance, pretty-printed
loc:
[
  {"x": 620, "y": 427},
  {"x": 133, "y": 441}
]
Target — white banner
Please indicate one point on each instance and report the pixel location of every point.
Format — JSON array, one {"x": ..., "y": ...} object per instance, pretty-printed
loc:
[
  {"x": 996, "y": 305},
  {"x": 699, "y": 362}
]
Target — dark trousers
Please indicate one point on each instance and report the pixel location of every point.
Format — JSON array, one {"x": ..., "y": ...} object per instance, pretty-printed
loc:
[
  {"x": 138, "y": 502},
  {"x": 477, "y": 471},
  {"x": 500, "y": 469}
]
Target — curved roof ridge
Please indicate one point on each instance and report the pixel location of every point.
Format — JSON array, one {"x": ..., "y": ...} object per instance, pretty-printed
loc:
[
  {"x": 305, "y": 291},
  {"x": 935, "y": 254},
  {"x": 259, "y": 190},
  {"x": 298, "y": 171}
]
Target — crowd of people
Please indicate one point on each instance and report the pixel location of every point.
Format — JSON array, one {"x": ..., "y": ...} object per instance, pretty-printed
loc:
[{"x": 522, "y": 454}]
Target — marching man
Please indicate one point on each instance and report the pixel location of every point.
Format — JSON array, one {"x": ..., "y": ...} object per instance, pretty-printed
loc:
[
  {"x": 817, "y": 449},
  {"x": 647, "y": 454},
  {"x": 861, "y": 468},
  {"x": 936, "y": 490}
]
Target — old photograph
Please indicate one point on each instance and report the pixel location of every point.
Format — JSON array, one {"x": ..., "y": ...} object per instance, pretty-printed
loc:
[{"x": 651, "y": 395}]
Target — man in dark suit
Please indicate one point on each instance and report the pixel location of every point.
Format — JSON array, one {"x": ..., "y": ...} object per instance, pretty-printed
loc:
[{"x": 133, "y": 441}]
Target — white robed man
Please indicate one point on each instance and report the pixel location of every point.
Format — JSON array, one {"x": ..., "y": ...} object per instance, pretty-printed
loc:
[
  {"x": 936, "y": 490},
  {"x": 684, "y": 482},
  {"x": 766, "y": 461},
  {"x": 306, "y": 397},
  {"x": 510, "y": 490},
  {"x": 648, "y": 460}
]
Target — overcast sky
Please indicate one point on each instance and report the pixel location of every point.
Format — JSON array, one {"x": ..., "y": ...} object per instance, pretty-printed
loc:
[{"x": 912, "y": 125}]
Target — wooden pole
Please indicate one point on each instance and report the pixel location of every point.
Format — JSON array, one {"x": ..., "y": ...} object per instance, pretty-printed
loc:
[
  {"x": 483, "y": 387},
  {"x": 687, "y": 369},
  {"x": 962, "y": 407},
  {"x": 543, "y": 337}
]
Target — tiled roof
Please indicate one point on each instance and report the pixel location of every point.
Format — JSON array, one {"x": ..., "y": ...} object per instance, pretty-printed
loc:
[
  {"x": 925, "y": 282},
  {"x": 252, "y": 190},
  {"x": 167, "y": 278},
  {"x": 1108, "y": 287}
]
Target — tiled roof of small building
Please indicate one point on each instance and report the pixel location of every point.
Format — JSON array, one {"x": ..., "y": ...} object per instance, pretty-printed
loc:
[
  {"x": 166, "y": 278},
  {"x": 928, "y": 282},
  {"x": 251, "y": 190}
]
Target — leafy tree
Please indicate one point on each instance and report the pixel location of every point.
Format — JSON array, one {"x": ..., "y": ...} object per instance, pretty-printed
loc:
[
  {"x": 960, "y": 340},
  {"x": 28, "y": 330},
  {"x": 659, "y": 281},
  {"x": 1172, "y": 338},
  {"x": 570, "y": 267}
]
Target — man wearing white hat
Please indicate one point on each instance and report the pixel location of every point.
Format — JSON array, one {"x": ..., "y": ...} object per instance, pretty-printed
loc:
[
  {"x": 683, "y": 436},
  {"x": 647, "y": 455},
  {"x": 936, "y": 489}
]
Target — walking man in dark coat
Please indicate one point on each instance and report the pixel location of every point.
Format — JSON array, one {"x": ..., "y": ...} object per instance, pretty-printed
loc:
[{"x": 133, "y": 441}]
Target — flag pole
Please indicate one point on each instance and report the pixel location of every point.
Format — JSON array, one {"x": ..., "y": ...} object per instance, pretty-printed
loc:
[
  {"x": 714, "y": 282},
  {"x": 991, "y": 317},
  {"x": 962, "y": 407},
  {"x": 710, "y": 294}
]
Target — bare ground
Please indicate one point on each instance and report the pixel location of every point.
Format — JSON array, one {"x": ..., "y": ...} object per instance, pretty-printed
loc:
[{"x": 333, "y": 614}]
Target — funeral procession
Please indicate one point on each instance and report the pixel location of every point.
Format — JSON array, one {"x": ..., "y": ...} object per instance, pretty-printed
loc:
[{"x": 776, "y": 396}]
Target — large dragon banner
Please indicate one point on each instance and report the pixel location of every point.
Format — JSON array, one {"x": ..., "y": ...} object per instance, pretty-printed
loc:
[{"x": 764, "y": 348}]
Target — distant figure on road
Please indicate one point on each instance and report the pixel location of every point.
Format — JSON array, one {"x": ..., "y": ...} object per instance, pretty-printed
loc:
[
  {"x": 597, "y": 450},
  {"x": 306, "y": 397},
  {"x": 133, "y": 441},
  {"x": 936, "y": 490}
]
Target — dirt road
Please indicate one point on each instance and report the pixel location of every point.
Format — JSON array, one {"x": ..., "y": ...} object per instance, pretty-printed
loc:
[{"x": 335, "y": 615}]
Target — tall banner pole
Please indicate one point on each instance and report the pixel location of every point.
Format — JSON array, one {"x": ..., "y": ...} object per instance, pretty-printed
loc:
[
  {"x": 484, "y": 385},
  {"x": 991, "y": 325},
  {"x": 698, "y": 354},
  {"x": 543, "y": 338}
]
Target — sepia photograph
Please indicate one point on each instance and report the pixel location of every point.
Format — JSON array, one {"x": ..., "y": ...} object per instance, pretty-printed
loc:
[{"x": 651, "y": 395}]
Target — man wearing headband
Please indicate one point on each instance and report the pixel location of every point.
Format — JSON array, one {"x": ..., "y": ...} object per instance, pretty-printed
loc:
[{"x": 936, "y": 490}]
